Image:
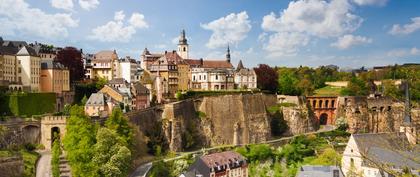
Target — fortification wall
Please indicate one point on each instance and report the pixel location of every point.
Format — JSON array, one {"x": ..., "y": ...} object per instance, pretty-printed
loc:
[{"x": 11, "y": 166}]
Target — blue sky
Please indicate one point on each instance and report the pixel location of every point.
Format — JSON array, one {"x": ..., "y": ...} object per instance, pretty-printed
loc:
[{"x": 348, "y": 33}]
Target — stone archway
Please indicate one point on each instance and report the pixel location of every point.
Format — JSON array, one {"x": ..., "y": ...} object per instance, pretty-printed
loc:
[
  {"x": 323, "y": 119},
  {"x": 31, "y": 134},
  {"x": 51, "y": 125},
  {"x": 55, "y": 134}
]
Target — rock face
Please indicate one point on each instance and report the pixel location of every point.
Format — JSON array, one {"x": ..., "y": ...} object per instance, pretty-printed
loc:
[
  {"x": 11, "y": 166},
  {"x": 300, "y": 119},
  {"x": 235, "y": 119},
  {"x": 218, "y": 120},
  {"x": 374, "y": 115}
]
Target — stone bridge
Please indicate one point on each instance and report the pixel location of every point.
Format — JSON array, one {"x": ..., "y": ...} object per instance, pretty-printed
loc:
[
  {"x": 34, "y": 131},
  {"x": 324, "y": 108}
]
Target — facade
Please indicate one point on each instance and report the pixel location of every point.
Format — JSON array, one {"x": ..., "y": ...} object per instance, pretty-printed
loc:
[
  {"x": 128, "y": 68},
  {"x": 141, "y": 96},
  {"x": 325, "y": 108},
  {"x": 147, "y": 59},
  {"x": 8, "y": 65},
  {"x": 245, "y": 78},
  {"x": 118, "y": 97},
  {"x": 28, "y": 68},
  {"x": 228, "y": 163},
  {"x": 372, "y": 154},
  {"x": 319, "y": 171},
  {"x": 96, "y": 106},
  {"x": 54, "y": 77},
  {"x": 104, "y": 65}
]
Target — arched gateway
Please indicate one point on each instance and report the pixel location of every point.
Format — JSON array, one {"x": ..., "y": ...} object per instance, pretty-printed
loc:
[{"x": 51, "y": 125}]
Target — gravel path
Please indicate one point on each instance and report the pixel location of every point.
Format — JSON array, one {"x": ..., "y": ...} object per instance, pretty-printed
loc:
[{"x": 43, "y": 168}]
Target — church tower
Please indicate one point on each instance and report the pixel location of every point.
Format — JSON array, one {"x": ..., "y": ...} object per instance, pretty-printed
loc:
[
  {"x": 228, "y": 54},
  {"x": 407, "y": 127},
  {"x": 183, "y": 46}
]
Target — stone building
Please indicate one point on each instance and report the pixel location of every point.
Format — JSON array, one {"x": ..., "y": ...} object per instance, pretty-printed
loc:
[
  {"x": 147, "y": 58},
  {"x": 245, "y": 78},
  {"x": 228, "y": 163},
  {"x": 28, "y": 68},
  {"x": 104, "y": 65},
  {"x": 325, "y": 108},
  {"x": 8, "y": 65},
  {"x": 55, "y": 77},
  {"x": 141, "y": 96},
  {"x": 97, "y": 106}
]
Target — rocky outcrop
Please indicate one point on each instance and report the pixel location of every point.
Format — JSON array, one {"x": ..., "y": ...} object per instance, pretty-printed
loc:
[
  {"x": 11, "y": 166},
  {"x": 381, "y": 114},
  {"x": 299, "y": 119}
]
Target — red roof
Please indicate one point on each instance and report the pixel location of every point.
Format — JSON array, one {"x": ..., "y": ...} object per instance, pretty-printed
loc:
[{"x": 209, "y": 63}]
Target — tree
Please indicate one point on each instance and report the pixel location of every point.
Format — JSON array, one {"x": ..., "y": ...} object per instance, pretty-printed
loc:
[
  {"x": 391, "y": 90},
  {"x": 266, "y": 78},
  {"x": 71, "y": 58},
  {"x": 84, "y": 100},
  {"x": 288, "y": 83},
  {"x": 119, "y": 124},
  {"x": 355, "y": 87}
]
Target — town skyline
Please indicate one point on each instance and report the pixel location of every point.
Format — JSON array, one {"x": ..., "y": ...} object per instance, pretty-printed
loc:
[{"x": 279, "y": 35}]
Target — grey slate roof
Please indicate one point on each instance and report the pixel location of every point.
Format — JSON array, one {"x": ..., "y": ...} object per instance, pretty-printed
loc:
[
  {"x": 96, "y": 99},
  {"x": 52, "y": 65},
  {"x": 26, "y": 50},
  {"x": 8, "y": 50},
  {"x": 15, "y": 43},
  {"x": 388, "y": 148},
  {"x": 319, "y": 171},
  {"x": 140, "y": 89},
  {"x": 117, "y": 81}
]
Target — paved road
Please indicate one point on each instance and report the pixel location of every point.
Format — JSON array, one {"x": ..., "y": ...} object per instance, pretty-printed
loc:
[
  {"x": 43, "y": 168},
  {"x": 142, "y": 170}
]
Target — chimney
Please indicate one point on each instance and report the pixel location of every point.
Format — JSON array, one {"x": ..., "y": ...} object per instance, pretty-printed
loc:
[{"x": 201, "y": 61}]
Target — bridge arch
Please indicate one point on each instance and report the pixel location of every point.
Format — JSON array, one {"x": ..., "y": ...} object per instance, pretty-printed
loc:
[{"x": 31, "y": 133}]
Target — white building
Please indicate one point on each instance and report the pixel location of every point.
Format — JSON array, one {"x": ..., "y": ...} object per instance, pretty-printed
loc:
[
  {"x": 245, "y": 78},
  {"x": 28, "y": 68},
  {"x": 128, "y": 69}
]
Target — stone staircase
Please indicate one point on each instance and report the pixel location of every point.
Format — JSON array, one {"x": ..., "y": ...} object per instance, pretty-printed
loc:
[{"x": 64, "y": 167}]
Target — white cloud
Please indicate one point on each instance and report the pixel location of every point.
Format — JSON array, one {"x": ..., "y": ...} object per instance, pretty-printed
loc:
[
  {"x": 285, "y": 43},
  {"x": 305, "y": 19},
  {"x": 404, "y": 52},
  {"x": 88, "y": 4},
  {"x": 19, "y": 16},
  {"x": 407, "y": 28},
  {"x": 137, "y": 20},
  {"x": 116, "y": 31},
  {"x": 119, "y": 15},
  {"x": 62, "y": 4},
  {"x": 370, "y": 2},
  {"x": 349, "y": 40},
  {"x": 228, "y": 30}
]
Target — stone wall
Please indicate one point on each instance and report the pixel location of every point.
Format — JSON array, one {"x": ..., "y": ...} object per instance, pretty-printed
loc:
[
  {"x": 300, "y": 119},
  {"x": 19, "y": 132},
  {"x": 374, "y": 115},
  {"x": 11, "y": 166}
]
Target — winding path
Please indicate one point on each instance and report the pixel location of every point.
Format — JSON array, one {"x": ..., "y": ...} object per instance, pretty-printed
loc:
[{"x": 43, "y": 167}]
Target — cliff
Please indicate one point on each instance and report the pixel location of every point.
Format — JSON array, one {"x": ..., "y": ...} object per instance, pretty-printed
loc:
[{"x": 374, "y": 115}]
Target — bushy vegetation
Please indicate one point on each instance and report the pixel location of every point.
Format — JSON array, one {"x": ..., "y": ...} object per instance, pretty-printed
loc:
[
  {"x": 85, "y": 89},
  {"x": 55, "y": 158},
  {"x": 28, "y": 104},
  {"x": 265, "y": 160},
  {"x": 172, "y": 168},
  {"x": 98, "y": 151}
]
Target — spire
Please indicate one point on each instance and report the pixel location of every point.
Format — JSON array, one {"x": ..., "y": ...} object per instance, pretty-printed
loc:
[
  {"x": 240, "y": 66},
  {"x": 228, "y": 54},
  {"x": 146, "y": 51},
  {"x": 407, "y": 116},
  {"x": 182, "y": 38}
]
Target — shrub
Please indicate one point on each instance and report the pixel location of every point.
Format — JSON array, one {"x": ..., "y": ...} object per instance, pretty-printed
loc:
[
  {"x": 55, "y": 159},
  {"x": 29, "y": 104}
]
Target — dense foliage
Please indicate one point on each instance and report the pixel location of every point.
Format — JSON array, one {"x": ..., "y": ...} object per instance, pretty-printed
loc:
[
  {"x": 28, "y": 104},
  {"x": 71, "y": 58},
  {"x": 85, "y": 89},
  {"x": 98, "y": 151},
  {"x": 266, "y": 78},
  {"x": 55, "y": 158}
]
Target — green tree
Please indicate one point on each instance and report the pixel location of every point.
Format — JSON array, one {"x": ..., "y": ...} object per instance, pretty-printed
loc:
[
  {"x": 100, "y": 83},
  {"x": 391, "y": 90},
  {"x": 119, "y": 124},
  {"x": 355, "y": 87},
  {"x": 84, "y": 100}
]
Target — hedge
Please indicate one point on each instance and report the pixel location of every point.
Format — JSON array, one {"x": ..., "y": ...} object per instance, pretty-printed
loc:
[{"x": 18, "y": 104}]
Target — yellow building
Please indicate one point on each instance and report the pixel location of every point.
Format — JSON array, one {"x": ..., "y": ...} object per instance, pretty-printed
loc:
[
  {"x": 104, "y": 65},
  {"x": 54, "y": 77},
  {"x": 8, "y": 64}
]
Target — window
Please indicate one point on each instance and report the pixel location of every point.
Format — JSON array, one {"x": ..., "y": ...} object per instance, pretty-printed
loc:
[
  {"x": 217, "y": 77},
  {"x": 351, "y": 162}
]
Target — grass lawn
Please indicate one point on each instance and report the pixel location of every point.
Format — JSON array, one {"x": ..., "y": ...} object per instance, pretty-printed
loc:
[{"x": 328, "y": 91}]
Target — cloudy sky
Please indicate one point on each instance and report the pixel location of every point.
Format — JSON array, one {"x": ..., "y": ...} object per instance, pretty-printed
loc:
[{"x": 348, "y": 33}]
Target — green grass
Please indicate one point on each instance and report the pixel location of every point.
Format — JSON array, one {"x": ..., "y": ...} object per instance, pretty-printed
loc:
[
  {"x": 5, "y": 153},
  {"x": 275, "y": 108},
  {"x": 328, "y": 91},
  {"x": 29, "y": 160}
]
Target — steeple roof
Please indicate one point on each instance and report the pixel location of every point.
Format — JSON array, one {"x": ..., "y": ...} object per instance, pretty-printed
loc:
[
  {"x": 240, "y": 65},
  {"x": 183, "y": 38}
]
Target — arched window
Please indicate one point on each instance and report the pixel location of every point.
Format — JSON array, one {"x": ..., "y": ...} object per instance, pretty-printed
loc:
[
  {"x": 320, "y": 104},
  {"x": 326, "y": 103},
  {"x": 185, "y": 49}
]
